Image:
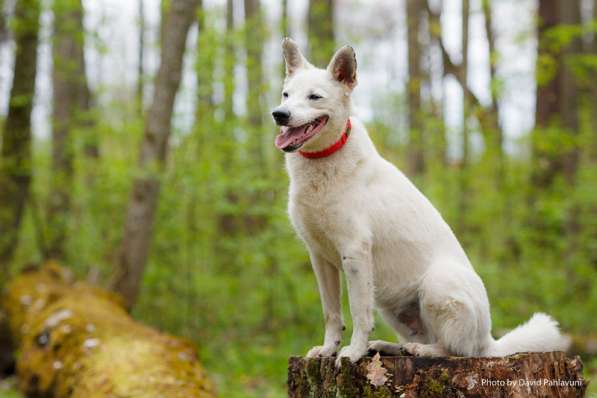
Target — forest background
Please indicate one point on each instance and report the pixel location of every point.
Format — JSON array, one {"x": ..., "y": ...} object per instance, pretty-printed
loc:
[{"x": 137, "y": 148}]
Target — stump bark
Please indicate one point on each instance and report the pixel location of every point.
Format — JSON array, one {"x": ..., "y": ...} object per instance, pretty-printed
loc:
[
  {"x": 549, "y": 374},
  {"x": 75, "y": 340}
]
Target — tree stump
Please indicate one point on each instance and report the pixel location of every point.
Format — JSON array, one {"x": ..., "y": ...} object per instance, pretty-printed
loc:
[{"x": 548, "y": 374}]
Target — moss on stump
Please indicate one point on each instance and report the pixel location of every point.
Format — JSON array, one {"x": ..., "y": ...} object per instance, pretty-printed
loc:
[
  {"x": 75, "y": 340},
  {"x": 549, "y": 374}
]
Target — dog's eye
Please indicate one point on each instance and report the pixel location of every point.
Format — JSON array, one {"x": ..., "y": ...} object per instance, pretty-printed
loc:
[
  {"x": 315, "y": 97},
  {"x": 285, "y": 94}
]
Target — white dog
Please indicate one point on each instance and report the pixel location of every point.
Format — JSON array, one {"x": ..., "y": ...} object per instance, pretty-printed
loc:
[{"x": 359, "y": 214}]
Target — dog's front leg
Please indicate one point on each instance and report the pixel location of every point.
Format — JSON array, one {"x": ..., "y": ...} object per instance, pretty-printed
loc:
[
  {"x": 328, "y": 279},
  {"x": 358, "y": 267}
]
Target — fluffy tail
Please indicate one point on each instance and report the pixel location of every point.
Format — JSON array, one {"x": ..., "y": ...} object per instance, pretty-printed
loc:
[{"x": 540, "y": 333}]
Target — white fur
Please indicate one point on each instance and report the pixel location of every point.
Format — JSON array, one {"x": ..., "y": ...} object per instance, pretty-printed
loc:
[{"x": 357, "y": 213}]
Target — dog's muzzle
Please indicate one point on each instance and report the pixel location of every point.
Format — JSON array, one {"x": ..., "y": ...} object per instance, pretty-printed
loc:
[{"x": 281, "y": 116}]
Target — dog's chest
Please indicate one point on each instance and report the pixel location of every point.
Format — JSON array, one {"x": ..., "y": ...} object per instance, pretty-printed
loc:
[{"x": 315, "y": 202}]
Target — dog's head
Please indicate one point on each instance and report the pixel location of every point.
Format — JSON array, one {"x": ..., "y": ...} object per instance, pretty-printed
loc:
[{"x": 315, "y": 102}]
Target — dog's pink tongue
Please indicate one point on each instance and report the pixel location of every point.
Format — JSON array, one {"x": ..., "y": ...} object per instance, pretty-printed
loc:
[{"x": 291, "y": 136}]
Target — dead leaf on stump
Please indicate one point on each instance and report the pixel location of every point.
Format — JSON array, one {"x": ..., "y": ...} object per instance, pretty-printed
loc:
[{"x": 376, "y": 373}]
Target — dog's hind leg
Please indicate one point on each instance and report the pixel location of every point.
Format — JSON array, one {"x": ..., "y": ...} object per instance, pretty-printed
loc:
[
  {"x": 399, "y": 322},
  {"x": 328, "y": 280},
  {"x": 455, "y": 309}
]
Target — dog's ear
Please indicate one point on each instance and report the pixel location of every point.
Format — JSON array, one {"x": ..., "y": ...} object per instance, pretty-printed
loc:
[
  {"x": 343, "y": 66},
  {"x": 293, "y": 56}
]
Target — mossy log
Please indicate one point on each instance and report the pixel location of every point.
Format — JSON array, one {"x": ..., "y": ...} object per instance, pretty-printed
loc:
[
  {"x": 549, "y": 374},
  {"x": 77, "y": 341}
]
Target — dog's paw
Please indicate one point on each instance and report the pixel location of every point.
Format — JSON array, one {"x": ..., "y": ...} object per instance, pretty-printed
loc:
[
  {"x": 377, "y": 345},
  {"x": 384, "y": 347},
  {"x": 413, "y": 348},
  {"x": 352, "y": 353},
  {"x": 425, "y": 350},
  {"x": 322, "y": 351}
]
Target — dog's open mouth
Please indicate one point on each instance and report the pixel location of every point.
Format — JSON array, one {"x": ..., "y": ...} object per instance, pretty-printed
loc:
[{"x": 292, "y": 138}]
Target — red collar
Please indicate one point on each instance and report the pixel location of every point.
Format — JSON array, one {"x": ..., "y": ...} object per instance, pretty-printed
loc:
[{"x": 336, "y": 146}]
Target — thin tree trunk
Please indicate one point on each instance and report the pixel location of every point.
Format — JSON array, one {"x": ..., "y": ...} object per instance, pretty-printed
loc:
[
  {"x": 320, "y": 27},
  {"x": 487, "y": 119},
  {"x": 229, "y": 63},
  {"x": 284, "y": 29},
  {"x": 227, "y": 222},
  {"x": 3, "y": 30},
  {"x": 416, "y": 159},
  {"x": 71, "y": 99},
  {"x": 494, "y": 108},
  {"x": 138, "y": 226},
  {"x": 254, "y": 41},
  {"x": 592, "y": 100},
  {"x": 205, "y": 70},
  {"x": 437, "y": 106},
  {"x": 141, "y": 56},
  {"x": 15, "y": 160},
  {"x": 593, "y": 50},
  {"x": 464, "y": 163}
]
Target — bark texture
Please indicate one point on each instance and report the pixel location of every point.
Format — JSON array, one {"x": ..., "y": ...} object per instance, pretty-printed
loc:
[
  {"x": 254, "y": 41},
  {"x": 71, "y": 99},
  {"x": 229, "y": 63},
  {"x": 416, "y": 158},
  {"x": 206, "y": 56},
  {"x": 141, "y": 55},
  {"x": 3, "y": 30},
  {"x": 15, "y": 158},
  {"x": 410, "y": 377},
  {"x": 138, "y": 227},
  {"x": 557, "y": 95},
  {"x": 77, "y": 341}
]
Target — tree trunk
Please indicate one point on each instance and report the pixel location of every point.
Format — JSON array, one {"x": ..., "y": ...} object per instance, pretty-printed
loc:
[
  {"x": 486, "y": 116},
  {"x": 416, "y": 158},
  {"x": 228, "y": 222},
  {"x": 141, "y": 56},
  {"x": 3, "y": 30},
  {"x": 254, "y": 41},
  {"x": 555, "y": 150},
  {"x": 285, "y": 30},
  {"x": 138, "y": 226},
  {"x": 593, "y": 50},
  {"x": 320, "y": 28},
  {"x": 229, "y": 64},
  {"x": 15, "y": 160},
  {"x": 77, "y": 341},
  {"x": 71, "y": 99},
  {"x": 496, "y": 141},
  {"x": 206, "y": 56},
  {"x": 556, "y": 100},
  {"x": 409, "y": 377},
  {"x": 440, "y": 143},
  {"x": 465, "y": 143}
]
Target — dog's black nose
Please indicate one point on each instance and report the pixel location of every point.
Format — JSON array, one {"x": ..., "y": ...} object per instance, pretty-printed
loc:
[{"x": 281, "y": 116}]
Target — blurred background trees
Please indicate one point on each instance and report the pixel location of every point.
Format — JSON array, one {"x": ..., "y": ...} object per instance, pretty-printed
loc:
[{"x": 141, "y": 154}]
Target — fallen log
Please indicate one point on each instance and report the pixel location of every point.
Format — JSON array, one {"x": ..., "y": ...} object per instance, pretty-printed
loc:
[
  {"x": 549, "y": 374},
  {"x": 75, "y": 340}
]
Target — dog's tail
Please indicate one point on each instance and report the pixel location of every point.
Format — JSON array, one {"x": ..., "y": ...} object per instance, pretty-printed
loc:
[{"x": 540, "y": 333}]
